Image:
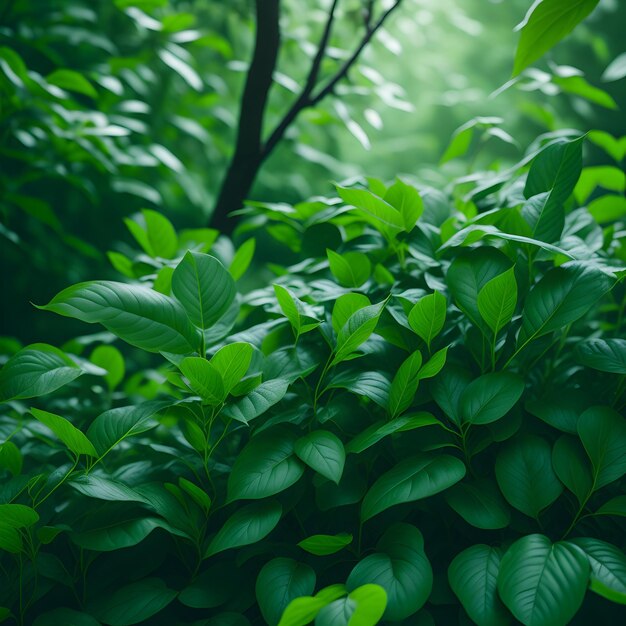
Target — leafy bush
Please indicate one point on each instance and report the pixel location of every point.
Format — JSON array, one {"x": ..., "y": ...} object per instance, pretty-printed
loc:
[{"x": 423, "y": 410}]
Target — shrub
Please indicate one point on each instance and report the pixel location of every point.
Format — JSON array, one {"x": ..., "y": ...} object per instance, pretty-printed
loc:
[{"x": 420, "y": 413}]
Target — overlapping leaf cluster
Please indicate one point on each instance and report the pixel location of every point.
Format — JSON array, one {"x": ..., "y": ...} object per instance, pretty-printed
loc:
[{"x": 419, "y": 421}]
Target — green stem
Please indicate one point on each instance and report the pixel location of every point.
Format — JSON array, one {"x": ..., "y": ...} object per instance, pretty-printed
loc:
[{"x": 317, "y": 393}]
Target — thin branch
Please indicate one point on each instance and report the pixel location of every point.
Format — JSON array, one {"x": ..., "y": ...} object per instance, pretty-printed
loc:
[
  {"x": 303, "y": 100},
  {"x": 306, "y": 99}
]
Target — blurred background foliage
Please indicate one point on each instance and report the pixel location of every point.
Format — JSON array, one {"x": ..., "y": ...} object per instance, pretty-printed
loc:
[{"x": 112, "y": 106}]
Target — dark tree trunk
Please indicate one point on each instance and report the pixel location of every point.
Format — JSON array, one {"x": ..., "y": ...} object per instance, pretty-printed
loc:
[{"x": 247, "y": 157}]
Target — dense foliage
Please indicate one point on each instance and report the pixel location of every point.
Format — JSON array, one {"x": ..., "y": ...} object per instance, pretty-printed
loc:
[{"x": 402, "y": 403}]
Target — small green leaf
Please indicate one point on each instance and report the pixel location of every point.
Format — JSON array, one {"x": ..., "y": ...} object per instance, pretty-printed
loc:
[
  {"x": 572, "y": 467},
  {"x": 323, "y": 545},
  {"x": 490, "y": 397},
  {"x": 257, "y": 401},
  {"x": 497, "y": 300},
  {"x": 111, "y": 360},
  {"x": 345, "y": 306},
  {"x": 480, "y": 504},
  {"x": 362, "y": 607},
  {"x": 204, "y": 379},
  {"x": 351, "y": 269},
  {"x": 204, "y": 287},
  {"x": 72, "y": 81},
  {"x": 18, "y": 515},
  {"x": 428, "y": 316},
  {"x": 357, "y": 330},
  {"x": 407, "y": 200},
  {"x": 322, "y": 451},
  {"x": 606, "y": 355},
  {"x": 232, "y": 362},
  {"x": 404, "y": 384},
  {"x": 242, "y": 259},
  {"x": 73, "y": 438},
  {"x": 248, "y": 525}
]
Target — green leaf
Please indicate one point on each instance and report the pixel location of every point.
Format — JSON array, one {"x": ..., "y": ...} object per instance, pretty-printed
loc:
[
  {"x": 469, "y": 273},
  {"x": 138, "y": 315},
  {"x": 204, "y": 379},
  {"x": 480, "y": 504},
  {"x": 434, "y": 365},
  {"x": 560, "y": 410},
  {"x": 561, "y": 297},
  {"x": 428, "y": 316},
  {"x": 232, "y": 362},
  {"x": 266, "y": 466},
  {"x": 545, "y": 24},
  {"x": 154, "y": 233},
  {"x": 242, "y": 259},
  {"x": 322, "y": 451},
  {"x": 490, "y": 397},
  {"x": 197, "y": 494},
  {"x": 362, "y": 607},
  {"x": 541, "y": 583},
  {"x": 121, "y": 535},
  {"x": 497, "y": 300},
  {"x": 608, "y": 568},
  {"x": 525, "y": 475},
  {"x": 412, "y": 479},
  {"x": 372, "y": 385},
  {"x": 551, "y": 180},
  {"x": 248, "y": 525},
  {"x": 603, "y": 433},
  {"x": 407, "y": 200},
  {"x": 571, "y": 466},
  {"x": 375, "y": 209},
  {"x": 579, "y": 86},
  {"x": 133, "y": 603},
  {"x": 323, "y": 545},
  {"x": 104, "y": 488},
  {"x": 72, "y": 81},
  {"x": 616, "y": 70},
  {"x": 605, "y": 176},
  {"x": 10, "y": 539},
  {"x": 615, "y": 506},
  {"x": 473, "y": 576},
  {"x": 73, "y": 438},
  {"x": 401, "y": 568},
  {"x": 374, "y": 433},
  {"x": 351, "y": 269},
  {"x": 204, "y": 287},
  {"x": 345, "y": 306},
  {"x": 606, "y": 355},
  {"x": 11, "y": 458},
  {"x": 300, "y": 315},
  {"x": 460, "y": 142},
  {"x": 447, "y": 391},
  {"x": 36, "y": 370},
  {"x": 215, "y": 586},
  {"x": 113, "y": 426},
  {"x": 301, "y": 611},
  {"x": 111, "y": 360},
  {"x": 258, "y": 401},
  {"x": 278, "y": 583},
  {"x": 67, "y": 617},
  {"x": 18, "y": 515},
  {"x": 608, "y": 208},
  {"x": 615, "y": 148},
  {"x": 357, "y": 330},
  {"x": 404, "y": 384}
]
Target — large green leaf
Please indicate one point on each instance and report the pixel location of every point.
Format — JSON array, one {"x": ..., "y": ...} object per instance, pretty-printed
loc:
[
  {"x": 543, "y": 584},
  {"x": 412, "y": 479},
  {"x": 204, "y": 287},
  {"x": 561, "y": 297},
  {"x": 36, "y": 370},
  {"x": 525, "y": 475},
  {"x": 545, "y": 24},
  {"x": 232, "y": 362},
  {"x": 404, "y": 384},
  {"x": 113, "y": 426},
  {"x": 351, "y": 269},
  {"x": 401, "y": 568},
  {"x": 362, "y": 607},
  {"x": 266, "y": 466},
  {"x": 606, "y": 355},
  {"x": 473, "y": 576},
  {"x": 603, "y": 433},
  {"x": 138, "y": 315},
  {"x": 248, "y": 525},
  {"x": 447, "y": 390},
  {"x": 378, "y": 212},
  {"x": 469, "y": 273},
  {"x": 322, "y": 451},
  {"x": 18, "y": 515},
  {"x": 133, "y": 603},
  {"x": 73, "y": 438},
  {"x": 490, "y": 397},
  {"x": 278, "y": 583},
  {"x": 608, "y": 568}
]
